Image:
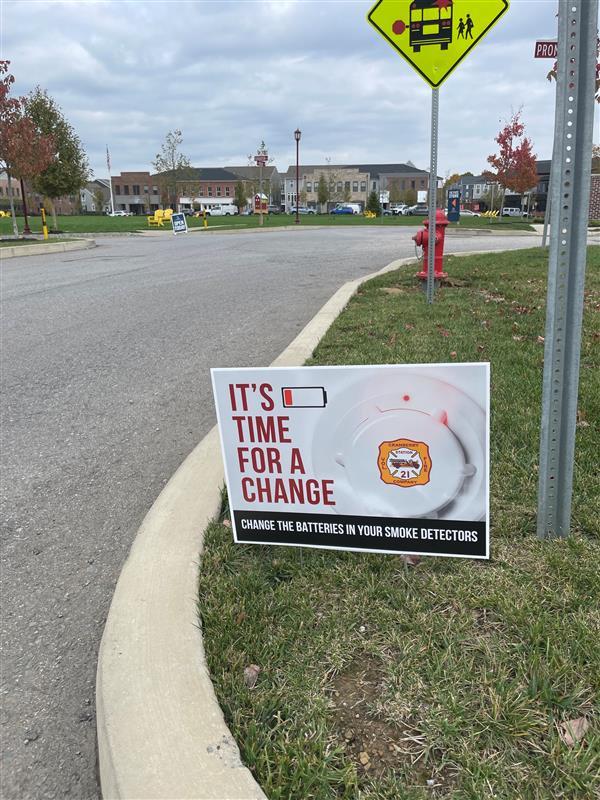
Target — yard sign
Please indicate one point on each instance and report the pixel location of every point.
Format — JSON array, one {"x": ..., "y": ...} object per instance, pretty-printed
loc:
[{"x": 384, "y": 459}]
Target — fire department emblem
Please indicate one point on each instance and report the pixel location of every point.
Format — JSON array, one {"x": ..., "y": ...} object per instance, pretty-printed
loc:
[{"x": 404, "y": 462}]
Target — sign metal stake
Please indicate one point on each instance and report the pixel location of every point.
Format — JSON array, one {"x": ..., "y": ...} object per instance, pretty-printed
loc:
[
  {"x": 435, "y": 109},
  {"x": 570, "y": 193}
]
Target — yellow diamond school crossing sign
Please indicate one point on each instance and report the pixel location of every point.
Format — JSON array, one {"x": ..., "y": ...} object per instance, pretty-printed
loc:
[{"x": 435, "y": 35}]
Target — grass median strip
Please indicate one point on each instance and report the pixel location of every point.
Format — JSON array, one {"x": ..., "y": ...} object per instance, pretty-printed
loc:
[
  {"x": 91, "y": 223},
  {"x": 453, "y": 679}
]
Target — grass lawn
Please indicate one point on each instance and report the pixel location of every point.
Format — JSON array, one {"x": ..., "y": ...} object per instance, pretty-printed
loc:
[
  {"x": 376, "y": 677},
  {"x": 91, "y": 223}
]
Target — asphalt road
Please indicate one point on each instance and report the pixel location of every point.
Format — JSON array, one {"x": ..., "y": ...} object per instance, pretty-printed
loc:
[{"x": 106, "y": 388}]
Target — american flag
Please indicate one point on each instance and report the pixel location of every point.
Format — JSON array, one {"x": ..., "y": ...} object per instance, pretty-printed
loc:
[{"x": 107, "y": 159}]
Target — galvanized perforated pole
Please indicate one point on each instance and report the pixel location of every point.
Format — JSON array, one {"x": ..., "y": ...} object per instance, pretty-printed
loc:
[
  {"x": 435, "y": 108},
  {"x": 577, "y": 25}
]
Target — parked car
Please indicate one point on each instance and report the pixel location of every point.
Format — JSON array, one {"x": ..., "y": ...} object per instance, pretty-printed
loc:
[
  {"x": 466, "y": 212},
  {"x": 513, "y": 212},
  {"x": 388, "y": 212},
  {"x": 303, "y": 210},
  {"x": 398, "y": 209},
  {"x": 274, "y": 209},
  {"x": 342, "y": 210},
  {"x": 119, "y": 214},
  {"x": 418, "y": 210}
]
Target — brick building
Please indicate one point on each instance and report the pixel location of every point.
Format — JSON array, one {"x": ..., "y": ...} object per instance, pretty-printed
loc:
[
  {"x": 206, "y": 186},
  {"x": 136, "y": 192},
  {"x": 595, "y": 197}
]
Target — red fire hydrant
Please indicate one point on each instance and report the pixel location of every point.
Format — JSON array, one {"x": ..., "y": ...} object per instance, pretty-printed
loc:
[{"x": 421, "y": 239}]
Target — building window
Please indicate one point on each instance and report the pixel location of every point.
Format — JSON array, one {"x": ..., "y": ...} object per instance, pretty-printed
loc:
[
  {"x": 136, "y": 188},
  {"x": 412, "y": 184},
  {"x": 422, "y": 183},
  {"x": 210, "y": 191},
  {"x": 227, "y": 191},
  {"x": 355, "y": 186},
  {"x": 346, "y": 186},
  {"x": 403, "y": 184},
  {"x": 339, "y": 186},
  {"x": 374, "y": 185},
  {"x": 363, "y": 186},
  {"x": 118, "y": 188},
  {"x": 218, "y": 191},
  {"x": 309, "y": 187},
  {"x": 155, "y": 190},
  {"x": 145, "y": 190},
  {"x": 125, "y": 189}
]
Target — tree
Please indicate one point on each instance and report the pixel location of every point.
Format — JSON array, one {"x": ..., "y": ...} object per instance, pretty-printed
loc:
[
  {"x": 241, "y": 199},
  {"x": 409, "y": 196},
  {"x": 515, "y": 163},
  {"x": 69, "y": 170},
  {"x": 373, "y": 203},
  {"x": 24, "y": 151},
  {"x": 171, "y": 166},
  {"x": 395, "y": 192},
  {"x": 99, "y": 200},
  {"x": 322, "y": 191}
]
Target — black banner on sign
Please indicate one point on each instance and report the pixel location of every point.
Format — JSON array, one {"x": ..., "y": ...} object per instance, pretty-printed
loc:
[{"x": 434, "y": 537}]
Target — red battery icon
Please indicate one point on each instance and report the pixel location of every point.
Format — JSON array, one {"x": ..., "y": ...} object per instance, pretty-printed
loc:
[{"x": 304, "y": 397}]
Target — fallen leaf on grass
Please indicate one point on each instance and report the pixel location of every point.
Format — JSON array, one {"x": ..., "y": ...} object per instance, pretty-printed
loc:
[
  {"x": 540, "y": 339},
  {"x": 581, "y": 420},
  {"x": 227, "y": 523},
  {"x": 481, "y": 347},
  {"x": 411, "y": 561},
  {"x": 453, "y": 354},
  {"x": 240, "y": 617},
  {"x": 392, "y": 290},
  {"x": 251, "y": 674},
  {"x": 573, "y": 730},
  {"x": 517, "y": 338},
  {"x": 409, "y": 326}
]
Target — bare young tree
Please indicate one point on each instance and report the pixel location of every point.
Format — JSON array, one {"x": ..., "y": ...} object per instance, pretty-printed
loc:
[{"x": 171, "y": 166}]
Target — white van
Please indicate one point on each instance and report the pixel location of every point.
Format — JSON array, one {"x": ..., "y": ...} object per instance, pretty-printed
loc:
[
  {"x": 513, "y": 212},
  {"x": 356, "y": 207},
  {"x": 221, "y": 210}
]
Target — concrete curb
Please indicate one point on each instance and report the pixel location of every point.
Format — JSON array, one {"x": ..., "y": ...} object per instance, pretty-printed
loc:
[
  {"x": 161, "y": 732},
  {"x": 42, "y": 249}
]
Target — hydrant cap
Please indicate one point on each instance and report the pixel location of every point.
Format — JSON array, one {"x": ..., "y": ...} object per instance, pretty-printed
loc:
[{"x": 440, "y": 219}]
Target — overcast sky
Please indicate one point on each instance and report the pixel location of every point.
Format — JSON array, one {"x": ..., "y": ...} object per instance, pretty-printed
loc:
[{"x": 230, "y": 73}]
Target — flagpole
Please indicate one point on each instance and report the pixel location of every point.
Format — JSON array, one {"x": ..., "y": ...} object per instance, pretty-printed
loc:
[{"x": 112, "y": 203}]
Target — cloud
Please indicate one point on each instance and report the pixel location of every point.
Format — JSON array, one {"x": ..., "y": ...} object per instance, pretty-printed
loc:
[{"x": 230, "y": 73}]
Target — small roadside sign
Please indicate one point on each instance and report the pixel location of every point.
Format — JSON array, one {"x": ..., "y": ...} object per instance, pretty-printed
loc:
[
  {"x": 546, "y": 49},
  {"x": 179, "y": 223},
  {"x": 453, "y": 205},
  {"x": 383, "y": 459},
  {"x": 435, "y": 35}
]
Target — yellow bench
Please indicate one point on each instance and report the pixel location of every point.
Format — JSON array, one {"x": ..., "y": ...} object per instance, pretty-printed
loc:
[{"x": 160, "y": 217}]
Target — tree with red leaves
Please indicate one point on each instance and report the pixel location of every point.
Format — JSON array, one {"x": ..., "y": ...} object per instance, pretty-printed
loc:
[
  {"x": 24, "y": 151},
  {"x": 10, "y": 111},
  {"x": 515, "y": 163}
]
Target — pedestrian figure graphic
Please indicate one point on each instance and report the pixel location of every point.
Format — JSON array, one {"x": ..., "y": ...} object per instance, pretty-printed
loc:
[
  {"x": 468, "y": 34},
  {"x": 461, "y": 28}
]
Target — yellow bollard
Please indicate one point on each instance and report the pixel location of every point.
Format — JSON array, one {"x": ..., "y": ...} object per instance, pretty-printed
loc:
[
  {"x": 44, "y": 226},
  {"x": 204, "y": 219}
]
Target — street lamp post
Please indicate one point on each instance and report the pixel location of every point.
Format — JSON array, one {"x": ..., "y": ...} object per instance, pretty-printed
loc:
[{"x": 297, "y": 135}]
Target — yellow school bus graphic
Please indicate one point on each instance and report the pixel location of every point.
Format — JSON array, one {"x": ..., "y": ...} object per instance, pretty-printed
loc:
[
  {"x": 404, "y": 462},
  {"x": 430, "y": 23}
]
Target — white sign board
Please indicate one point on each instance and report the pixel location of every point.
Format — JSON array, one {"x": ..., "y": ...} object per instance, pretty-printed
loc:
[
  {"x": 179, "y": 223},
  {"x": 388, "y": 459}
]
